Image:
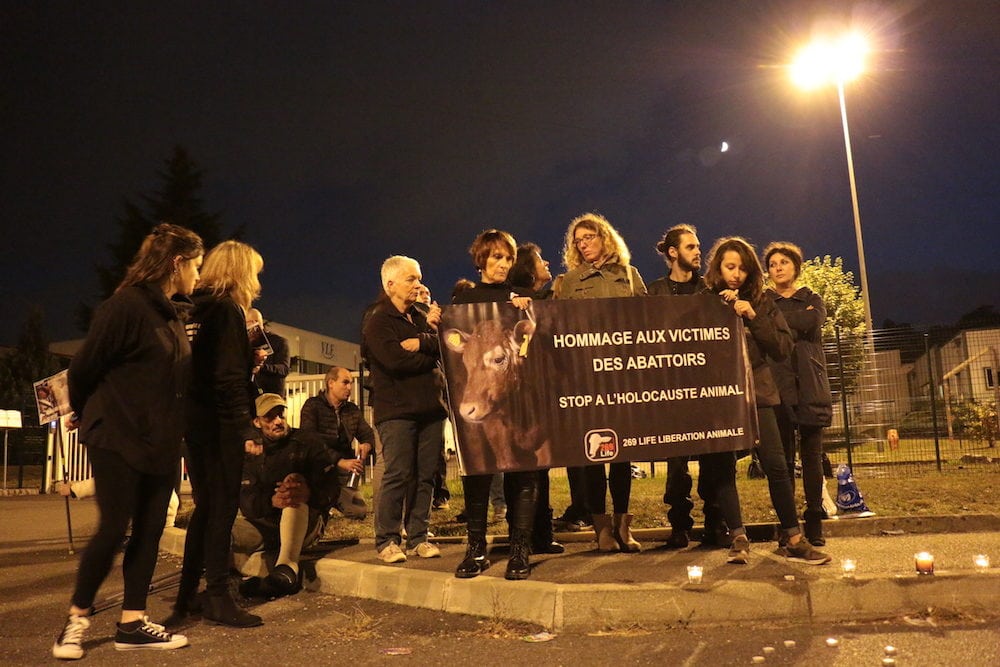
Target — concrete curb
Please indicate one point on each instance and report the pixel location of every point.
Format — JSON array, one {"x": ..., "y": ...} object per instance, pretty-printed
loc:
[
  {"x": 803, "y": 596},
  {"x": 595, "y": 606}
]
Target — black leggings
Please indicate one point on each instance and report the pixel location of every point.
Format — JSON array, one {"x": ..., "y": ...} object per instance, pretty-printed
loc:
[
  {"x": 619, "y": 480},
  {"x": 123, "y": 494},
  {"x": 215, "y": 467}
]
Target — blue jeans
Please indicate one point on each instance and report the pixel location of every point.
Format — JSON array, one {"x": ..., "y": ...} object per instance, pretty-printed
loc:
[{"x": 410, "y": 451}]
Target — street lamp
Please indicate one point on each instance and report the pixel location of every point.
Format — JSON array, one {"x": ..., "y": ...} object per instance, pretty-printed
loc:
[{"x": 838, "y": 61}]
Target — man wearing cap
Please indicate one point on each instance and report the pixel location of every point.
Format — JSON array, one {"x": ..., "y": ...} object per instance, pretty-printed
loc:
[{"x": 289, "y": 484}]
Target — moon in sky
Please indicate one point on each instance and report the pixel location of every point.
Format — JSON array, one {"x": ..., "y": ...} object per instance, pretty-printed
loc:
[{"x": 724, "y": 147}]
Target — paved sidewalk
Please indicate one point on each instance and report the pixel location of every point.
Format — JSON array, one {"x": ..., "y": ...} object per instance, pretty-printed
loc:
[{"x": 583, "y": 588}]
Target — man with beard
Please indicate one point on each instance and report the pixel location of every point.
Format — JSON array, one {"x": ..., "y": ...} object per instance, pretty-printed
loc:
[
  {"x": 289, "y": 484},
  {"x": 682, "y": 253}
]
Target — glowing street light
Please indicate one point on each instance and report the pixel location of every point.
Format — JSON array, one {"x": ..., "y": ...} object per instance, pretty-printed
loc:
[{"x": 838, "y": 61}]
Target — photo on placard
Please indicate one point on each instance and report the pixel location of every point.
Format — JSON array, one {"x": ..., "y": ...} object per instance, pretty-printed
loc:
[{"x": 52, "y": 397}]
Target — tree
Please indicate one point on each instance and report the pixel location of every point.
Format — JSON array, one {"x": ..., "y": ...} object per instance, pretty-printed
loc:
[
  {"x": 30, "y": 361},
  {"x": 845, "y": 311},
  {"x": 177, "y": 201}
]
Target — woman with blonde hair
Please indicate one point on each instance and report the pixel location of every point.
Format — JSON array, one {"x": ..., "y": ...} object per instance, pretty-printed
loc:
[
  {"x": 597, "y": 266},
  {"x": 126, "y": 386},
  {"x": 219, "y": 427}
]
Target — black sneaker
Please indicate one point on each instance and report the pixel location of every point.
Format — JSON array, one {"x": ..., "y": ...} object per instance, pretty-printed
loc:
[
  {"x": 68, "y": 645},
  {"x": 145, "y": 634},
  {"x": 804, "y": 552}
]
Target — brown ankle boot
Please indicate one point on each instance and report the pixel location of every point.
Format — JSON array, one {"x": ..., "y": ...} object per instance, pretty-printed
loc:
[
  {"x": 622, "y": 529},
  {"x": 602, "y": 529}
]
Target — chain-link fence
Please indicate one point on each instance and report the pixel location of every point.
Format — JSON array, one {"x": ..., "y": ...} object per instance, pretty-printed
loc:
[{"x": 908, "y": 402}]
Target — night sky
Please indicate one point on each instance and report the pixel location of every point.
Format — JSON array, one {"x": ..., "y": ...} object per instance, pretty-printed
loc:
[{"x": 339, "y": 133}]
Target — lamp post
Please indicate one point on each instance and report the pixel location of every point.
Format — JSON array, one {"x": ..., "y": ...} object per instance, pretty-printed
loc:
[{"x": 839, "y": 61}]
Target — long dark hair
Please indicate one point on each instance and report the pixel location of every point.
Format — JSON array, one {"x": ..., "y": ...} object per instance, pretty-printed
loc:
[
  {"x": 522, "y": 274},
  {"x": 155, "y": 260},
  {"x": 753, "y": 286}
]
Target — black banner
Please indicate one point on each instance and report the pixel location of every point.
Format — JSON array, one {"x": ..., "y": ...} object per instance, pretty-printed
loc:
[{"x": 575, "y": 382}]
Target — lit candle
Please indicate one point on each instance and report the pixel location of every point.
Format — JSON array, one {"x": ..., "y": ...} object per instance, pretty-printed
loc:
[
  {"x": 789, "y": 643},
  {"x": 757, "y": 659},
  {"x": 888, "y": 661},
  {"x": 768, "y": 650},
  {"x": 924, "y": 562},
  {"x": 890, "y": 650},
  {"x": 982, "y": 562},
  {"x": 694, "y": 574},
  {"x": 848, "y": 566},
  {"x": 832, "y": 642}
]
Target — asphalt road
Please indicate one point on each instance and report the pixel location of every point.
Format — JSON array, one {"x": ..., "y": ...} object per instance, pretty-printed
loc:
[{"x": 36, "y": 576}]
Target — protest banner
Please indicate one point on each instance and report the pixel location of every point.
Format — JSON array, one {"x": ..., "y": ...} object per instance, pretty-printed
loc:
[{"x": 578, "y": 382}]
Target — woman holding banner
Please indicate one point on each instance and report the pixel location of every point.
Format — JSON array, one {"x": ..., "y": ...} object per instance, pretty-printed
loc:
[
  {"x": 493, "y": 253},
  {"x": 735, "y": 274},
  {"x": 127, "y": 386},
  {"x": 531, "y": 272},
  {"x": 806, "y": 403},
  {"x": 597, "y": 266}
]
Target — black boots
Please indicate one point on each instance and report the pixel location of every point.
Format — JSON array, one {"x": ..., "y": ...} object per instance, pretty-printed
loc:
[
  {"x": 220, "y": 608},
  {"x": 188, "y": 602},
  {"x": 518, "y": 567},
  {"x": 476, "y": 506},
  {"x": 475, "y": 560}
]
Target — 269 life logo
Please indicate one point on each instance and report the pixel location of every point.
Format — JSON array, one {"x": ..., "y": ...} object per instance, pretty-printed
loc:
[{"x": 601, "y": 444}]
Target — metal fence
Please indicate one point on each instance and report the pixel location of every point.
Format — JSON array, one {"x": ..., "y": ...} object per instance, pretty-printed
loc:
[{"x": 907, "y": 402}]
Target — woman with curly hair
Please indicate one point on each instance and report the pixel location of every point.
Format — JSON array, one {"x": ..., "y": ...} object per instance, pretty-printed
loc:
[{"x": 597, "y": 266}]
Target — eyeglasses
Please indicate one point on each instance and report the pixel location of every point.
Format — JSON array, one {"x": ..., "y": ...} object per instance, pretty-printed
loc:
[{"x": 586, "y": 238}]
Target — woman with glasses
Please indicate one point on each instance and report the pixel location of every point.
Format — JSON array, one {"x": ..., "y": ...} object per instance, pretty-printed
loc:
[{"x": 597, "y": 266}]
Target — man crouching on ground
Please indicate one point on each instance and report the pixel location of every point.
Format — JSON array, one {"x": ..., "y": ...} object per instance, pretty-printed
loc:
[{"x": 289, "y": 484}]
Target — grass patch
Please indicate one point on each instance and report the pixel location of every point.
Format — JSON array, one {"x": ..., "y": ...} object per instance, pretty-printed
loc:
[{"x": 924, "y": 494}]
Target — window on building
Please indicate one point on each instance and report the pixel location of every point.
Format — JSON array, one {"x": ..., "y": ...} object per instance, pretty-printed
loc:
[{"x": 990, "y": 380}]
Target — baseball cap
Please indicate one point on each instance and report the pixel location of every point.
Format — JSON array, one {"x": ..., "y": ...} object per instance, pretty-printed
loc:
[{"x": 267, "y": 402}]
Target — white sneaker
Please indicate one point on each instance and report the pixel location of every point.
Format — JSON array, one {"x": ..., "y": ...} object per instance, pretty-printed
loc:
[
  {"x": 424, "y": 550},
  {"x": 68, "y": 645},
  {"x": 391, "y": 553}
]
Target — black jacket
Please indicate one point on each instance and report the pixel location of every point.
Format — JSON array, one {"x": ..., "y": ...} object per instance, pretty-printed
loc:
[
  {"x": 299, "y": 452},
  {"x": 767, "y": 336},
  {"x": 667, "y": 286},
  {"x": 127, "y": 382},
  {"x": 802, "y": 378},
  {"x": 408, "y": 385},
  {"x": 336, "y": 431},
  {"x": 221, "y": 392}
]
